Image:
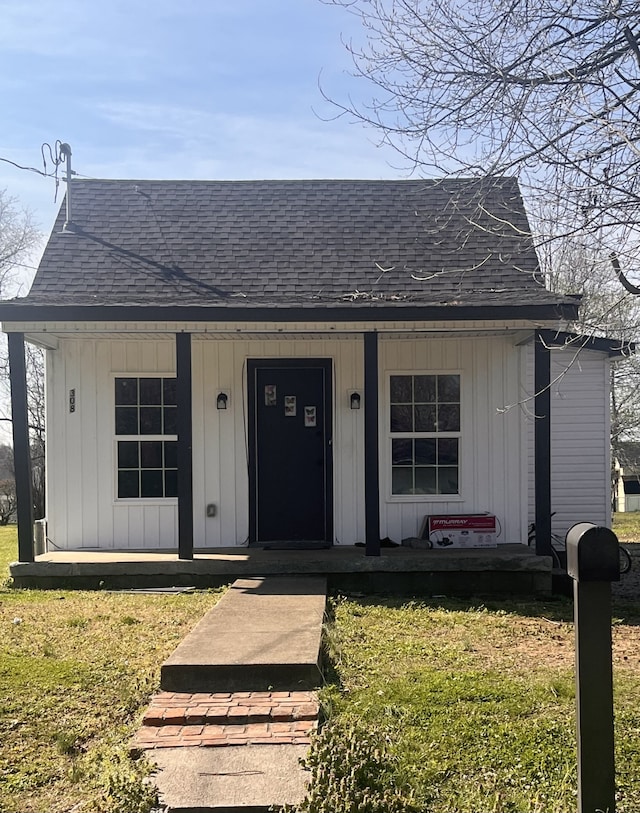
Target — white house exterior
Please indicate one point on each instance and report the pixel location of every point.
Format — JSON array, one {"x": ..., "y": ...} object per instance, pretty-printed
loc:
[{"x": 200, "y": 398}]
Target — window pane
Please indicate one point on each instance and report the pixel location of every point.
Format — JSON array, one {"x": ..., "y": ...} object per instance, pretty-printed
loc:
[
  {"x": 170, "y": 415},
  {"x": 128, "y": 454},
  {"x": 402, "y": 452},
  {"x": 151, "y": 454},
  {"x": 425, "y": 453},
  {"x": 425, "y": 389},
  {"x": 448, "y": 480},
  {"x": 126, "y": 420},
  {"x": 170, "y": 454},
  {"x": 401, "y": 481},
  {"x": 448, "y": 418},
  {"x": 128, "y": 484},
  {"x": 402, "y": 418},
  {"x": 169, "y": 391},
  {"x": 401, "y": 389},
  {"x": 171, "y": 484},
  {"x": 449, "y": 388},
  {"x": 126, "y": 391},
  {"x": 150, "y": 389},
  {"x": 448, "y": 451},
  {"x": 425, "y": 418},
  {"x": 150, "y": 420},
  {"x": 151, "y": 484},
  {"x": 426, "y": 480}
]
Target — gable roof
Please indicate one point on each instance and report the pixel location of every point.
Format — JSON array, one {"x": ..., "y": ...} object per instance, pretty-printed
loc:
[{"x": 280, "y": 244}]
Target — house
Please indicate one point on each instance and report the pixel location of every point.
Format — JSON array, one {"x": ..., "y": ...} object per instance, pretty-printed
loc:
[
  {"x": 254, "y": 362},
  {"x": 626, "y": 477}
]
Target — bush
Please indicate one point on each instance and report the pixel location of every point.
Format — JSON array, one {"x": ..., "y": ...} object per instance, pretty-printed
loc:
[{"x": 354, "y": 771}]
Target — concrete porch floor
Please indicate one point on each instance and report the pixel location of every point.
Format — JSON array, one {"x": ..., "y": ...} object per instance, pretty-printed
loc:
[{"x": 507, "y": 569}]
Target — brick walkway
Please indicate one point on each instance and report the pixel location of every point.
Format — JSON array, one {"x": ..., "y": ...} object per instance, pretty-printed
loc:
[{"x": 176, "y": 719}]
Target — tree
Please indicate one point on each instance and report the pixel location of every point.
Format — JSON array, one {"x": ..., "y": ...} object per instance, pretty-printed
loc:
[
  {"x": 547, "y": 90},
  {"x": 18, "y": 236},
  {"x": 34, "y": 358},
  {"x": 607, "y": 310},
  {"x": 8, "y": 501}
]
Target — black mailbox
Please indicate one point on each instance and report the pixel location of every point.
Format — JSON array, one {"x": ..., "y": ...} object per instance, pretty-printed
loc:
[{"x": 592, "y": 553}]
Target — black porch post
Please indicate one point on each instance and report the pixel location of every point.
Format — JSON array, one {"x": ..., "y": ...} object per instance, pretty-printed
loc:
[
  {"x": 542, "y": 444},
  {"x": 21, "y": 450},
  {"x": 185, "y": 431},
  {"x": 371, "y": 456}
]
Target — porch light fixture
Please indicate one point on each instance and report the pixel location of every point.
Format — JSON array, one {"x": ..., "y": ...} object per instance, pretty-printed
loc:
[
  {"x": 221, "y": 400},
  {"x": 354, "y": 400}
]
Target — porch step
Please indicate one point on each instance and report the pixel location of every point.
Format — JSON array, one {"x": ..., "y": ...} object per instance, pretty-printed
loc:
[
  {"x": 224, "y": 708},
  {"x": 211, "y": 736},
  {"x": 264, "y": 634}
]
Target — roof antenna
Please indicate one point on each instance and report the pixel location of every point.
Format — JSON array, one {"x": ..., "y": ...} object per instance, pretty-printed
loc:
[{"x": 65, "y": 155}]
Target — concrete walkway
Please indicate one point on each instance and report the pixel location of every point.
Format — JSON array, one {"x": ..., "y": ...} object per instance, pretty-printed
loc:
[{"x": 237, "y": 707}]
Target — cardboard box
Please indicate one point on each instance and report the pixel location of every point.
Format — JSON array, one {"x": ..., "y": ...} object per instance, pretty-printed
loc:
[{"x": 447, "y": 531}]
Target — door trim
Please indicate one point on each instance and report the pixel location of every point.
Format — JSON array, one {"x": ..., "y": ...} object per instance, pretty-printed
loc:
[{"x": 253, "y": 365}]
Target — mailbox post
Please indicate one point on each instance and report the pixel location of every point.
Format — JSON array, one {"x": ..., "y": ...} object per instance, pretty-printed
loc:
[{"x": 593, "y": 563}]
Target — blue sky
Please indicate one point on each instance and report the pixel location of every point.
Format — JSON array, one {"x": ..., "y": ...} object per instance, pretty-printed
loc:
[{"x": 180, "y": 89}]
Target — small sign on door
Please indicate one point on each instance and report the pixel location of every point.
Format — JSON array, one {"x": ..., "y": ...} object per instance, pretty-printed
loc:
[
  {"x": 309, "y": 416},
  {"x": 270, "y": 398},
  {"x": 290, "y": 406}
]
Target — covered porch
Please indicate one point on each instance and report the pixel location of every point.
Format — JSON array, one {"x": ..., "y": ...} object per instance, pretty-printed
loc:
[
  {"x": 188, "y": 537},
  {"x": 508, "y": 569}
]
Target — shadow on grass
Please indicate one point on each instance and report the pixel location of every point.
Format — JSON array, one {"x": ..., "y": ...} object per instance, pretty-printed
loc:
[{"x": 555, "y": 608}]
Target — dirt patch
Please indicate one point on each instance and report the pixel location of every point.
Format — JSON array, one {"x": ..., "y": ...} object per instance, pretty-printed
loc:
[
  {"x": 532, "y": 643},
  {"x": 628, "y": 588}
]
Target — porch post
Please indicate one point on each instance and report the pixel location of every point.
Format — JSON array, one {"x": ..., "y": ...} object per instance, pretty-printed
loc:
[
  {"x": 21, "y": 448},
  {"x": 542, "y": 444},
  {"x": 185, "y": 451},
  {"x": 371, "y": 450}
]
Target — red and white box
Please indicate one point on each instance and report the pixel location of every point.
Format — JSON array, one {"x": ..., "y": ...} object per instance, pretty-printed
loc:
[{"x": 462, "y": 531}]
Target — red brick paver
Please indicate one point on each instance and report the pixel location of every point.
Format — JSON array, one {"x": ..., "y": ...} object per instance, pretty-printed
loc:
[
  {"x": 293, "y": 733},
  {"x": 217, "y": 719},
  {"x": 221, "y": 708}
]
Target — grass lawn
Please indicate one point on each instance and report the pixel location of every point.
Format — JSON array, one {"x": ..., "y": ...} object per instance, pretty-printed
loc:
[
  {"x": 76, "y": 671},
  {"x": 627, "y": 526},
  {"x": 474, "y": 703}
]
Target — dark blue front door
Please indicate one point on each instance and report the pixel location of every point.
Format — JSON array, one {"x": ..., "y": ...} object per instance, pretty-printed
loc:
[{"x": 290, "y": 450}]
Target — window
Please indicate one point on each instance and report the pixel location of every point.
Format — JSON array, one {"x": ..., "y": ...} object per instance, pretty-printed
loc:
[
  {"x": 425, "y": 434},
  {"x": 146, "y": 415}
]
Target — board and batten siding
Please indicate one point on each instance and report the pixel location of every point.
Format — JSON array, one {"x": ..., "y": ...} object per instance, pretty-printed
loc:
[
  {"x": 81, "y": 451},
  {"x": 491, "y": 469},
  {"x": 580, "y": 430},
  {"x": 83, "y": 511}
]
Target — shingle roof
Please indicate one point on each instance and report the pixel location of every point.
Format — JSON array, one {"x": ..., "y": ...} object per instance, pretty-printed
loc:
[{"x": 320, "y": 243}]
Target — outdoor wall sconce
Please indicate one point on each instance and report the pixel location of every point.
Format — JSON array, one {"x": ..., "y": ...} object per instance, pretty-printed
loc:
[
  {"x": 354, "y": 400},
  {"x": 221, "y": 400}
]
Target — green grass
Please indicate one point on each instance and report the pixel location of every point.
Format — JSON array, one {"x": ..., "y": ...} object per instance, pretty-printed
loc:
[
  {"x": 474, "y": 705},
  {"x": 76, "y": 671},
  {"x": 477, "y": 702},
  {"x": 627, "y": 526},
  {"x": 8, "y": 551}
]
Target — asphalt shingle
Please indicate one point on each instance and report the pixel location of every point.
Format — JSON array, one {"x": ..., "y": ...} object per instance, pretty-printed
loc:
[{"x": 320, "y": 243}]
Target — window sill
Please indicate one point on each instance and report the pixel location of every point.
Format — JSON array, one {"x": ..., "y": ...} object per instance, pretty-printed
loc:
[
  {"x": 424, "y": 498},
  {"x": 129, "y": 501}
]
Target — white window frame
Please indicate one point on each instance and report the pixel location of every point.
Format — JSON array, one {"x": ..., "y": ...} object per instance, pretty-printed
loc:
[
  {"x": 117, "y": 438},
  {"x": 390, "y": 436}
]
